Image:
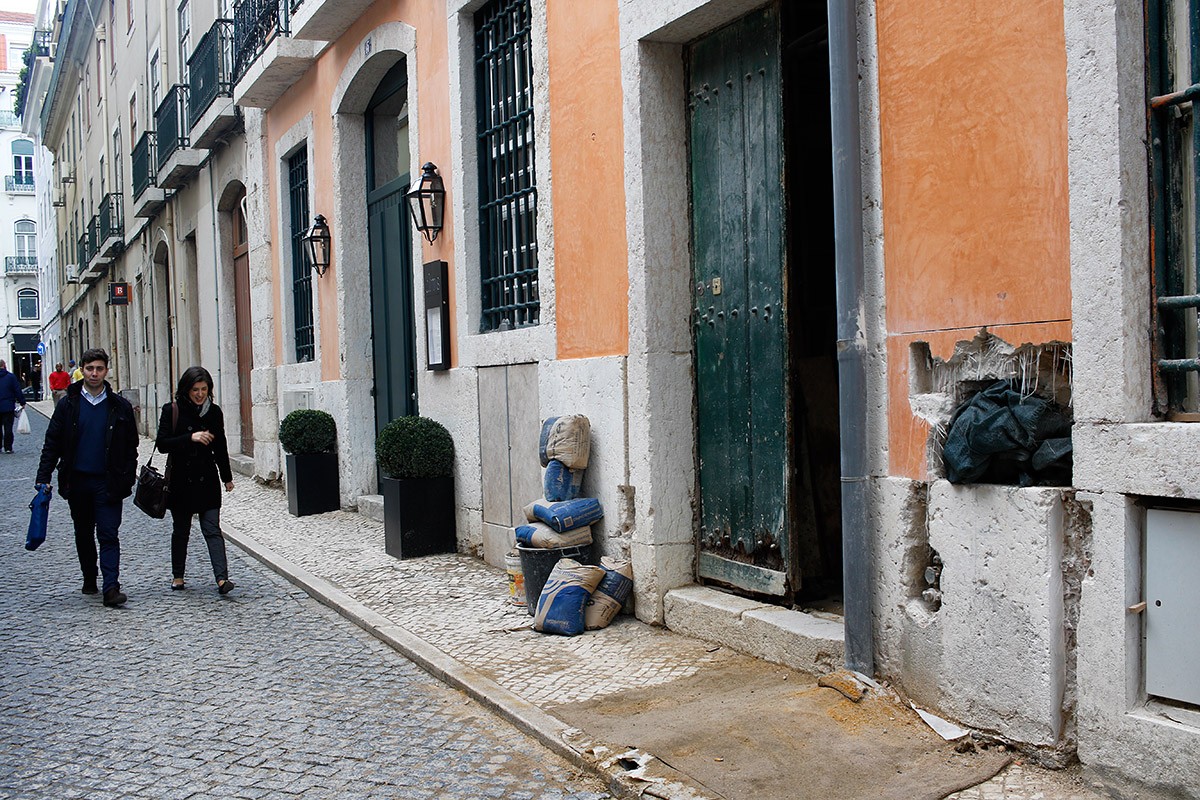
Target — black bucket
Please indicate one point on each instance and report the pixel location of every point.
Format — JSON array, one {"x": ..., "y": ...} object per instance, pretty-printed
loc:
[{"x": 538, "y": 562}]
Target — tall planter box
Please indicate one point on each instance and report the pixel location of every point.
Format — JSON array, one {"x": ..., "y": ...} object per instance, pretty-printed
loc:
[
  {"x": 418, "y": 516},
  {"x": 312, "y": 483}
]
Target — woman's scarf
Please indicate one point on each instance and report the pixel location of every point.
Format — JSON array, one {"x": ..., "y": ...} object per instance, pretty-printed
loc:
[{"x": 203, "y": 409}]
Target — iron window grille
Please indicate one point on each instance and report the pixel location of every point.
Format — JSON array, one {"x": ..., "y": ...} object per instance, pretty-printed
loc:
[
  {"x": 507, "y": 184},
  {"x": 1174, "y": 84},
  {"x": 297, "y": 165}
]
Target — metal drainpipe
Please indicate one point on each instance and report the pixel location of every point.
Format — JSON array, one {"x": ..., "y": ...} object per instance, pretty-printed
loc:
[{"x": 852, "y": 408}]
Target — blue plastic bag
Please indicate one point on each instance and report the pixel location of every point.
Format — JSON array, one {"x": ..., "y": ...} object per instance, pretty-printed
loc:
[{"x": 39, "y": 513}]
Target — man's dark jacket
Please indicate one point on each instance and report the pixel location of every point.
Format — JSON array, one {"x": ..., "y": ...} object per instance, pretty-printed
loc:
[{"x": 120, "y": 443}]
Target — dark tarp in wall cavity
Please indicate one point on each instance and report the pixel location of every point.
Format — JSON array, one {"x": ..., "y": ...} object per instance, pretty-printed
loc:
[{"x": 1000, "y": 436}]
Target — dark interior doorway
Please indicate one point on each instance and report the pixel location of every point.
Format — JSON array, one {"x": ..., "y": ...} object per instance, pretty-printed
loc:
[{"x": 812, "y": 303}]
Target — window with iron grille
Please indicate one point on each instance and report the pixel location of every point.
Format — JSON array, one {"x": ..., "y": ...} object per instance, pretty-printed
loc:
[
  {"x": 302, "y": 320},
  {"x": 1174, "y": 86},
  {"x": 507, "y": 185}
]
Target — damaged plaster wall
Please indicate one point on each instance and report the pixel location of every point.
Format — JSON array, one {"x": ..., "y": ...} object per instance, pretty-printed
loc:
[
  {"x": 996, "y": 655},
  {"x": 938, "y": 386}
]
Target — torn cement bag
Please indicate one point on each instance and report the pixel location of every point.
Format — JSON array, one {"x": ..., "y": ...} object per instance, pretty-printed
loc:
[
  {"x": 1000, "y": 436},
  {"x": 606, "y": 601},
  {"x": 561, "y": 482},
  {"x": 567, "y": 439},
  {"x": 569, "y": 514},
  {"x": 539, "y": 534},
  {"x": 560, "y": 606}
]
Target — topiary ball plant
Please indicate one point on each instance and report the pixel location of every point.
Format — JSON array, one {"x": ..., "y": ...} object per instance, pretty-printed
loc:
[
  {"x": 414, "y": 447},
  {"x": 307, "y": 430}
]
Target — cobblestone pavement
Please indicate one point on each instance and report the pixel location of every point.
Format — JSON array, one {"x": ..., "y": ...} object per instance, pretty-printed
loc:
[{"x": 260, "y": 693}]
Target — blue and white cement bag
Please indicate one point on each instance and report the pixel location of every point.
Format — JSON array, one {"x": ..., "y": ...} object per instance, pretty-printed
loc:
[
  {"x": 560, "y": 606},
  {"x": 561, "y": 482},
  {"x": 569, "y": 514},
  {"x": 539, "y": 534},
  {"x": 608, "y": 598},
  {"x": 567, "y": 439}
]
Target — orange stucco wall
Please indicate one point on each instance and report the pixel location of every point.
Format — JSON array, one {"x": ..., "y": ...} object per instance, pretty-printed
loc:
[
  {"x": 591, "y": 276},
  {"x": 314, "y": 93},
  {"x": 973, "y": 118}
]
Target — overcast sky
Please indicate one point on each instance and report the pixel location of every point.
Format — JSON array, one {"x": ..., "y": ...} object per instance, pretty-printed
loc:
[{"x": 28, "y": 6}]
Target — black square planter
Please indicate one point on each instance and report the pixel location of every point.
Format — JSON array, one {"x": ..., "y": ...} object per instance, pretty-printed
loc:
[
  {"x": 312, "y": 483},
  {"x": 418, "y": 516}
]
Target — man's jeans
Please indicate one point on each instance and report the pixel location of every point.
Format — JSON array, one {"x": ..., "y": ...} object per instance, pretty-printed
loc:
[
  {"x": 6, "y": 428},
  {"x": 96, "y": 518}
]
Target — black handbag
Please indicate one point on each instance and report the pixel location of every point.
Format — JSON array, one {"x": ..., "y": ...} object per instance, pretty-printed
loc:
[{"x": 154, "y": 487}]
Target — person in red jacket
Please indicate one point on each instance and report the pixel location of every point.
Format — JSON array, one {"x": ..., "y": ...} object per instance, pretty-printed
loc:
[{"x": 60, "y": 379}]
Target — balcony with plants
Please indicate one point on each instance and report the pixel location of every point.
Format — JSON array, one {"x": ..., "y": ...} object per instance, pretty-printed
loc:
[
  {"x": 176, "y": 158},
  {"x": 211, "y": 111},
  {"x": 267, "y": 59},
  {"x": 147, "y": 197}
]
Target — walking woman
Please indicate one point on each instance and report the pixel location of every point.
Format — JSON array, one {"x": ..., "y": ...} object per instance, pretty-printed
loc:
[{"x": 195, "y": 446}]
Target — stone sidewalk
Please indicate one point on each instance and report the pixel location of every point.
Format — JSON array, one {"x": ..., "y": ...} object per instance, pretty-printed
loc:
[{"x": 451, "y": 615}]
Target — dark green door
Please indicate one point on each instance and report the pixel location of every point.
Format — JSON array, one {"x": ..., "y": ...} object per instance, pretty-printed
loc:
[
  {"x": 736, "y": 155},
  {"x": 393, "y": 337}
]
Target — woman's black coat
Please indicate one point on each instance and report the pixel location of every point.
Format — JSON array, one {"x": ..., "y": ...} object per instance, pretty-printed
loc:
[{"x": 194, "y": 480}]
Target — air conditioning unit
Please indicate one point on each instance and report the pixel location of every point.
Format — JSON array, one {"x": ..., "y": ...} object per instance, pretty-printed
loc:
[{"x": 72, "y": 273}]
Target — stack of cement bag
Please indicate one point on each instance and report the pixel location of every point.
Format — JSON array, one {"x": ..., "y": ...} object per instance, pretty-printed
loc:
[{"x": 562, "y": 520}]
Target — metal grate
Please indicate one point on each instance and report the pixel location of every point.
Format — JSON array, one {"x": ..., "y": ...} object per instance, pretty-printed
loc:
[
  {"x": 301, "y": 274},
  {"x": 1174, "y": 84},
  {"x": 507, "y": 185}
]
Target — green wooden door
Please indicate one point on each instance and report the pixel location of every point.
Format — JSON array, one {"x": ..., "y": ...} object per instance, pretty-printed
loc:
[
  {"x": 736, "y": 155},
  {"x": 393, "y": 338}
]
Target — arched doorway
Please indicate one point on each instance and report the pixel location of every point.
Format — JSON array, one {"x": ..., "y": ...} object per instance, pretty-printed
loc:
[
  {"x": 390, "y": 244},
  {"x": 242, "y": 320}
]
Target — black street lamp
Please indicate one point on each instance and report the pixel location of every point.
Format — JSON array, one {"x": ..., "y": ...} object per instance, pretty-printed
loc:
[
  {"x": 427, "y": 202},
  {"x": 316, "y": 245}
]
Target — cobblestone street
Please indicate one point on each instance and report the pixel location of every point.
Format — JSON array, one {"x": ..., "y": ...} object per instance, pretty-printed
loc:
[{"x": 260, "y": 693}]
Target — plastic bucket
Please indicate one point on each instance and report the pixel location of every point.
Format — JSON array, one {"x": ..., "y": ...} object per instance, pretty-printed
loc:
[
  {"x": 537, "y": 564},
  {"x": 516, "y": 578}
]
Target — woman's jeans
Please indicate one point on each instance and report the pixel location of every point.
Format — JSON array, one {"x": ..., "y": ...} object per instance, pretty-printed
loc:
[{"x": 210, "y": 526}]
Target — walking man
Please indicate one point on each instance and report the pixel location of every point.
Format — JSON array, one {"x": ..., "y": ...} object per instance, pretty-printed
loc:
[
  {"x": 10, "y": 397},
  {"x": 59, "y": 381},
  {"x": 92, "y": 440}
]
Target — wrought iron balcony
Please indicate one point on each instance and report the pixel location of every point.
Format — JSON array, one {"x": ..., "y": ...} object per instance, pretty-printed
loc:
[
  {"x": 81, "y": 251},
  {"x": 171, "y": 130},
  {"x": 210, "y": 69},
  {"x": 20, "y": 265},
  {"x": 9, "y": 119},
  {"x": 145, "y": 164},
  {"x": 255, "y": 24},
  {"x": 91, "y": 239},
  {"x": 19, "y": 184},
  {"x": 112, "y": 217},
  {"x": 41, "y": 43}
]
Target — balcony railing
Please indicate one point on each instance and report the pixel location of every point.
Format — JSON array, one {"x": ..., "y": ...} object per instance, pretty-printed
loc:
[
  {"x": 17, "y": 265},
  {"x": 210, "y": 69},
  {"x": 9, "y": 119},
  {"x": 41, "y": 43},
  {"x": 92, "y": 239},
  {"x": 255, "y": 24},
  {"x": 171, "y": 131},
  {"x": 112, "y": 220},
  {"x": 143, "y": 158},
  {"x": 20, "y": 184},
  {"x": 81, "y": 251}
]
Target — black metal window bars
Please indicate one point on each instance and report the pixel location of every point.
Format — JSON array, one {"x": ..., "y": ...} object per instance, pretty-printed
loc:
[
  {"x": 1175, "y": 173},
  {"x": 507, "y": 183},
  {"x": 302, "y": 310}
]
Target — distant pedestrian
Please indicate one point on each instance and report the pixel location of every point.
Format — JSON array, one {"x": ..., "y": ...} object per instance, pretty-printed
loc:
[
  {"x": 11, "y": 396},
  {"x": 198, "y": 455},
  {"x": 92, "y": 440},
  {"x": 59, "y": 381},
  {"x": 76, "y": 372}
]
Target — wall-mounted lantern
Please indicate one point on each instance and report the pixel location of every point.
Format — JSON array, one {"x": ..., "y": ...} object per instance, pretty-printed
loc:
[
  {"x": 316, "y": 245},
  {"x": 437, "y": 315},
  {"x": 427, "y": 202}
]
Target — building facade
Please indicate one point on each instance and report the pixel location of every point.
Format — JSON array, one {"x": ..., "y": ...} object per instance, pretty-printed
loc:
[
  {"x": 769, "y": 249},
  {"x": 21, "y": 308}
]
